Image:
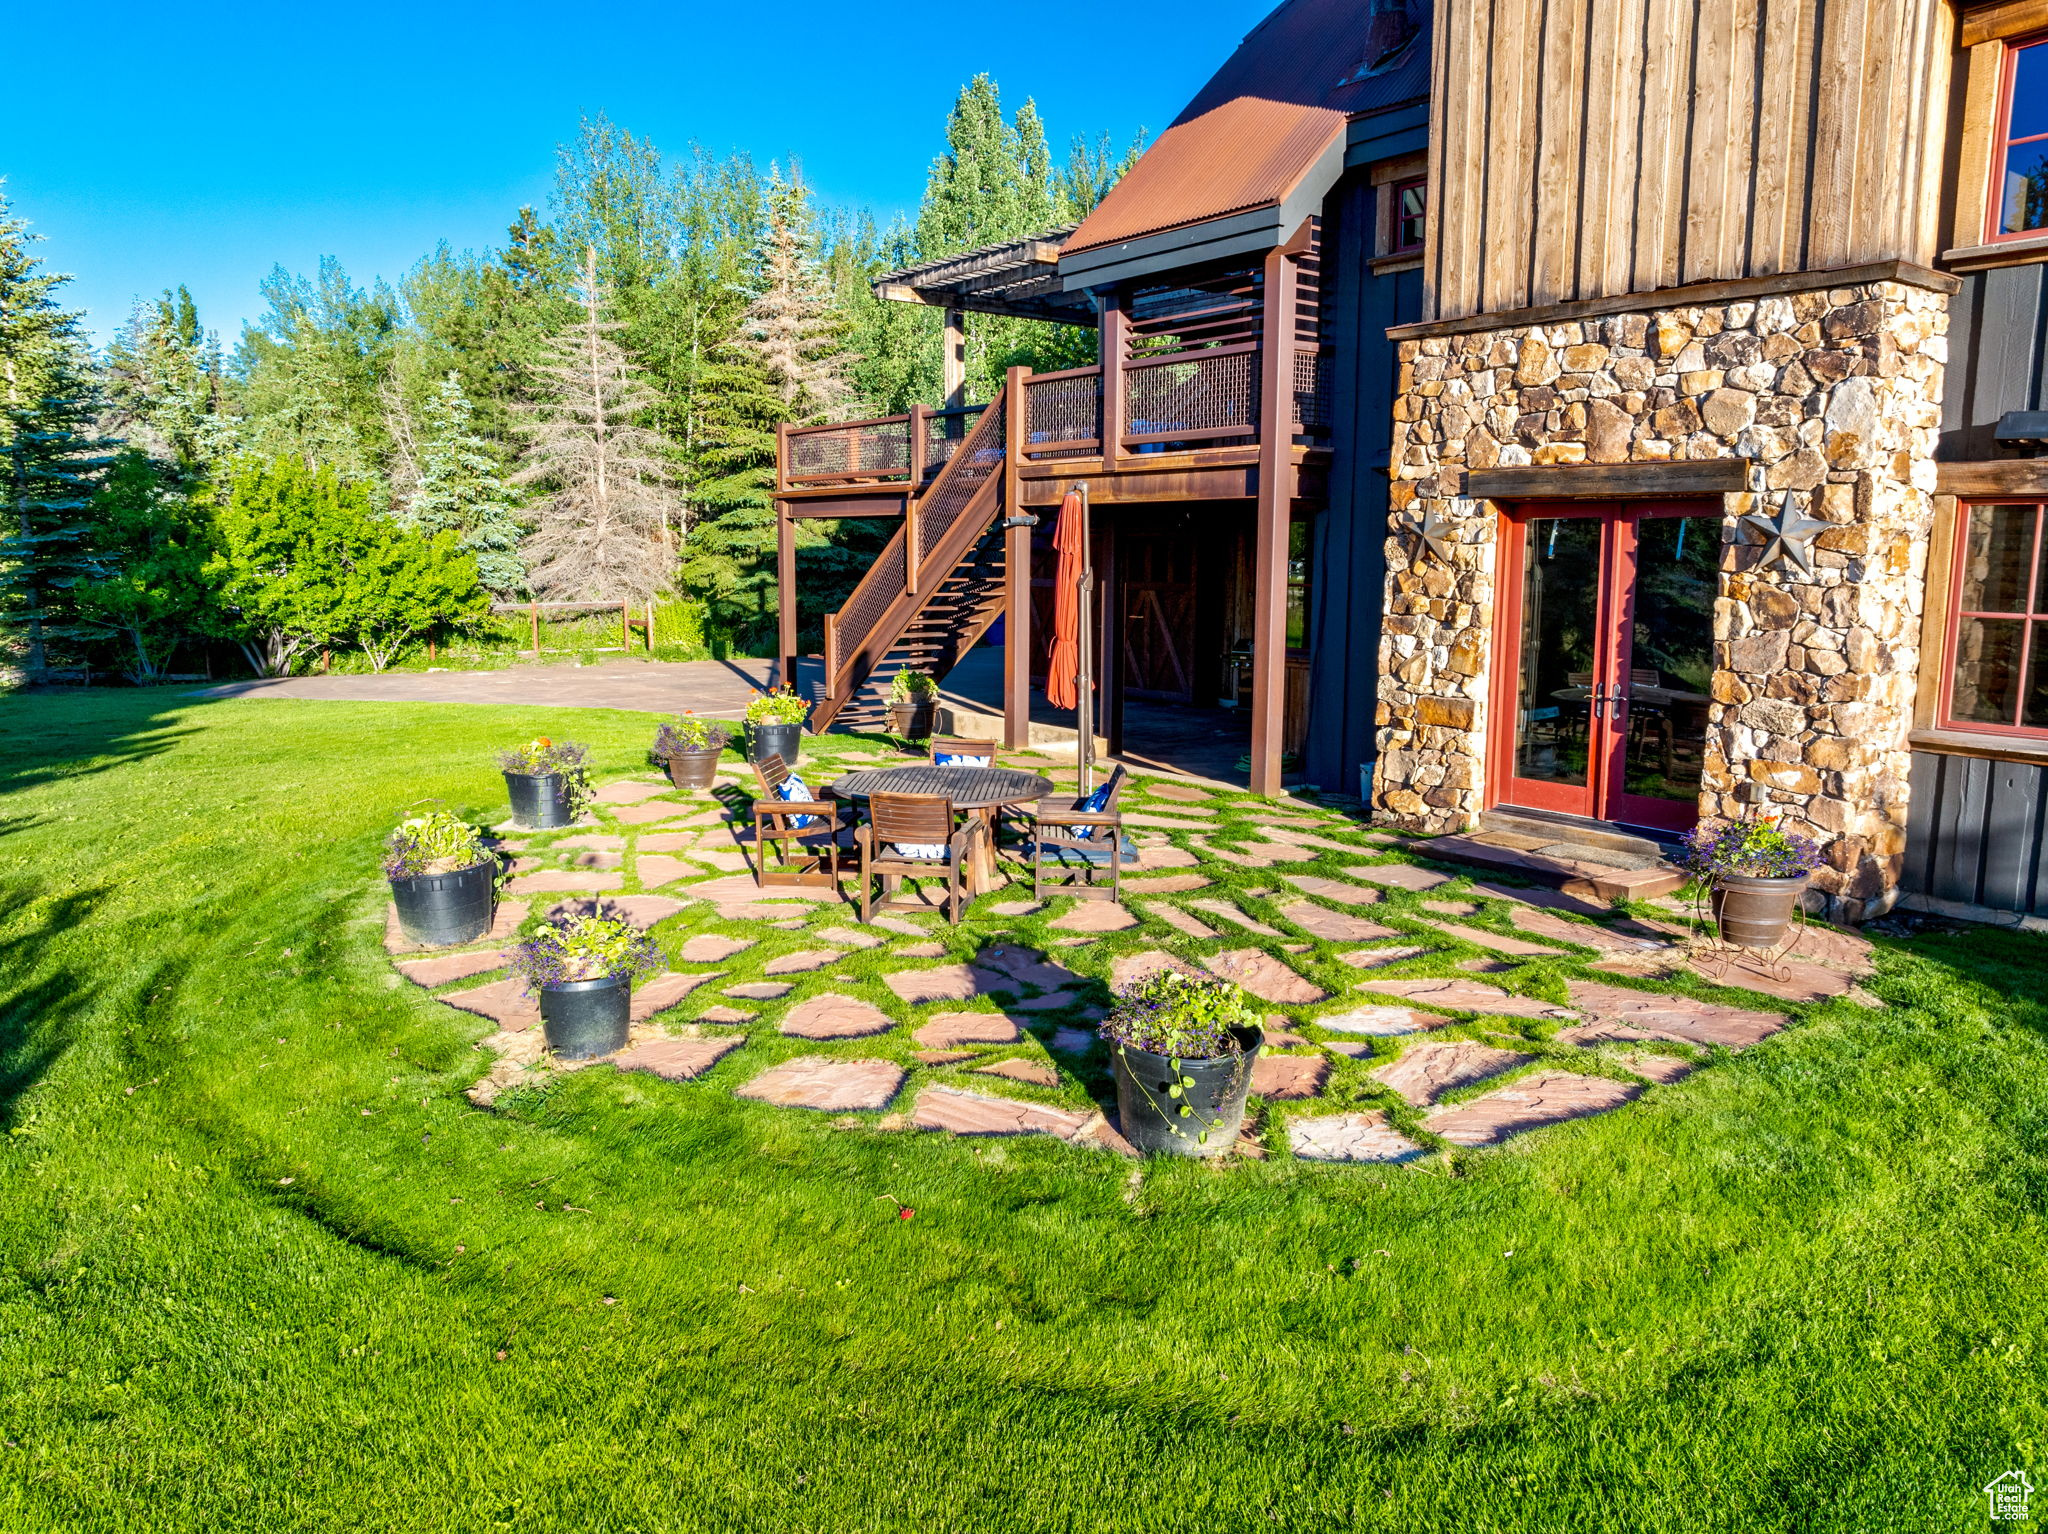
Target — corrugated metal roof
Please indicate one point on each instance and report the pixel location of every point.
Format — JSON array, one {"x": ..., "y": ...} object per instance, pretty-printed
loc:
[{"x": 1268, "y": 115}]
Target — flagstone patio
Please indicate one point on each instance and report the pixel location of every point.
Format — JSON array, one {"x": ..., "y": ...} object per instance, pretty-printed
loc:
[{"x": 1382, "y": 1048}]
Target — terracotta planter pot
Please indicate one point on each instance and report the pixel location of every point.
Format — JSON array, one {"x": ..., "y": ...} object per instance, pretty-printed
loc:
[
  {"x": 1755, "y": 913},
  {"x": 1149, "y": 1116},
  {"x": 913, "y": 720},
  {"x": 694, "y": 769}
]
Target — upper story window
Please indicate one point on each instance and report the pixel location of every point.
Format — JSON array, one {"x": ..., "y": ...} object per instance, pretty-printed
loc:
[
  {"x": 1998, "y": 637},
  {"x": 2020, "y": 160},
  {"x": 1410, "y": 203}
]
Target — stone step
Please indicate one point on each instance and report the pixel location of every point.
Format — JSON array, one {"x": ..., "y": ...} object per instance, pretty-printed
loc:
[
  {"x": 1596, "y": 881},
  {"x": 1586, "y": 833}
]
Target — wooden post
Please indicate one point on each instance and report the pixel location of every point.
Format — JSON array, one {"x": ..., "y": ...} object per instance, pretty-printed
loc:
[
  {"x": 1115, "y": 342},
  {"x": 831, "y": 650},
  {"x": 1275, "y": 496},
  {"x": 430, "y": 644},
  {"x": 914, "y": 459},
  {"x": 785, "y": 569},
  {"x": 956, "y": 359},
  {"x": 1016, "y": 571},
  {"x": 536, "y": 628}
]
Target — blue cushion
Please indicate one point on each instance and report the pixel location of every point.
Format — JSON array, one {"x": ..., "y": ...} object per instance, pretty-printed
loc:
[
  {"x": 918, "y": 849},
  {"x": 949, "y": 759},
  {"x": 1093, "y": 804},
  {"x": 793, "y": 787}
]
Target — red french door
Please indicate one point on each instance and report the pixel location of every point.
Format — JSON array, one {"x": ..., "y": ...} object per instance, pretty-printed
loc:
[{"x": 1605, "y": 659}]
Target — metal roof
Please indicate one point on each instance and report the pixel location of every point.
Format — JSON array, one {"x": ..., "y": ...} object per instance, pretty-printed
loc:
[
  {"x": 1015, "y": 277},
  {"x": 1269, "y": 114}
]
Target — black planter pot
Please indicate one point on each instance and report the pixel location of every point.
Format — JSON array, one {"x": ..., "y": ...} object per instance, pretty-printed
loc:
[
  {"x": 1150, "y": 1117},
  {"x": 586, "y": 1018},
  {"x": 540, "y": 800},
  {"x": 766, "y": 740},
  {"x": 441, "y": 910}
]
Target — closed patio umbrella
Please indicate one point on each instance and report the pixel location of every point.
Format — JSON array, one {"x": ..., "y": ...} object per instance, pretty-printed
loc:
[{"x": 1065, "y": 659}]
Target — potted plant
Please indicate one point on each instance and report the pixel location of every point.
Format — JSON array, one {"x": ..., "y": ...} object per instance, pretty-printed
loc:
[
  {"x": 443, "y": 879},
  {"x": 688, "y": 749},
  {"x": 1181, "y": 1048},
  {"x": 546, "y": 781},
  {"x": 1756, "y": 873},
  {"x": 583, "y": 969},
  {"x": 913, "y": 700},
  {"x": 775, "y": 724}
]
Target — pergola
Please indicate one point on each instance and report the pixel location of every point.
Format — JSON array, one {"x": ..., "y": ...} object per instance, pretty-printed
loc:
[{"x": 1020, "y": 278}]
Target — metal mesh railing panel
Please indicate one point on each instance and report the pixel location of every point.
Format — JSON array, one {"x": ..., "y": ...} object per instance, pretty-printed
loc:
[
  {"x": 877, "y": 448},
  {"x": 943, "y": 435},
  {"x": 1311, "y": 392},
  {"x": 1063, "y": 410},
  {"x": 1192, "y": 395}
]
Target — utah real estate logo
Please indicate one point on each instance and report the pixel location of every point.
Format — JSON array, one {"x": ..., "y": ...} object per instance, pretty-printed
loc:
[{"x": 2008, "y": 1495}]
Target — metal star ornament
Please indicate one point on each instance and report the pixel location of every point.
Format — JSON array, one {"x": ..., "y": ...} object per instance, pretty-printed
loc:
[
  {"x": 1438, "y": 531},
  {"x": 1788, "y": 537}
]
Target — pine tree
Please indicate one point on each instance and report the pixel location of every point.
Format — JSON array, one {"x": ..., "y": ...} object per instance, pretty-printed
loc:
[
  {"x": 55, "y": 462},
  {"x": 37, "y": 338},
  {"x": 167, "y": 388},
  {"x": 459, "y": 489},
  {"x": 792, "y": 327},
  {"x": 605, "y": 505}
]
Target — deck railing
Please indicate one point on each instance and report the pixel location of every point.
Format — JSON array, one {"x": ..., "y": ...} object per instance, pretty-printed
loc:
[{"x": 1202, "y": 397}]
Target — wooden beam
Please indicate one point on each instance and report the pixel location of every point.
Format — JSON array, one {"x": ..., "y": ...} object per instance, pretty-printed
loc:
[
  {"x": 1593, "y": 481},
  {"x": 1691, "y": 293},
  {"x": 1115, "y": 343},
  {"x": 955, "y": 356},
  {"x": 785, "y": 582},
  {"x": 1016, "y": 572},
  {"x": 2005, "y": 476},
  {"x": 1995, "y": 23},
  {"x": 1235, "y": 484},
  {"x": 1275, "y": 493}
]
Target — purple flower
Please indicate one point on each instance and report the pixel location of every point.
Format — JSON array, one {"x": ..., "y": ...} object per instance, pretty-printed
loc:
[
  {"x": 1754, "y": 849},
  {"x": 584, "y": 948}
]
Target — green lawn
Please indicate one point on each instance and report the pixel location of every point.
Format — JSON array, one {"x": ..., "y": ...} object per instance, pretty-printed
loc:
[{"x": 1803, "y": 1289}]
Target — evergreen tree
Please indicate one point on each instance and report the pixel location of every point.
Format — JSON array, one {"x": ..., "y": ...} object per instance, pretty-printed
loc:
[
  {"x": 605, "y": 508},
  {"x": 55, "y": 462},
  {"x": 459, "y": 489},
  {"x": 792, "y": 326},
  {"x": 38, "y": 340},
  {"x": 167, "y": 388},
  {"x": 311, "y": 370}
]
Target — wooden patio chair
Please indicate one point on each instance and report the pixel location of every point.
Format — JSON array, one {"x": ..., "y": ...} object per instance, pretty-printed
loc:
[
  {"x": 960, "y": 745},
  {"x": 914, "y": 835},
  {"x": 1080, "y": 842},
  {"x": 801, "y": 820}
]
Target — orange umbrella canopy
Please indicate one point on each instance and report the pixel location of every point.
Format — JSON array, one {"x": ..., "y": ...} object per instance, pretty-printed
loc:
[{"x": 1065, "y": 658}]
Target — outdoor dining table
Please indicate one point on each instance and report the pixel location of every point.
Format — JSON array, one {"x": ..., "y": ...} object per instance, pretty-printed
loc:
[{"x": 976, "y": 790}]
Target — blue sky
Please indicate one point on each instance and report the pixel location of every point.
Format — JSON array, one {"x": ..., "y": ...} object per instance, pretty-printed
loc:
[{"x": 204, "y": 144}]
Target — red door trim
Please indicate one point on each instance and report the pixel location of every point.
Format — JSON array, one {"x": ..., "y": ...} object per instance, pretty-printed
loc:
[{"x": 1602, "y": 797}]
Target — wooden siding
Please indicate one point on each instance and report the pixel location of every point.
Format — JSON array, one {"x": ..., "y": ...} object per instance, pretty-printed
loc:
[
  {"x": 1586, "y": 148},
  {"x": 1350, "y": 534},
  {"x": 1975, "y": 832}
]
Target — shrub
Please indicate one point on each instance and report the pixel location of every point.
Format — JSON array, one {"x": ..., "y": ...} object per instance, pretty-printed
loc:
[
  {"x": 1180, "y": 1016},
  {"x": 1754, "y": 849},
  {"x": 585, "y": 948},
  {"x": 689, "y": 733},
  {"x": 781, "y": 706},
  {"x": 907, "y": 686},
  {"x": 434, "y": 843}
]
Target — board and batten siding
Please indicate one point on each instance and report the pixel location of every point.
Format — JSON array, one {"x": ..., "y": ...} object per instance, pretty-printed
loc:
[
  {"x": 1592, "y": 148},
  {"x": 1974, "y": 832}
]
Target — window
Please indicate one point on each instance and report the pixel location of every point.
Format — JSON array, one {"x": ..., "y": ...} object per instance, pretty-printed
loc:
[
  {"x": 2020, "y": 158},
  {"x": 1998, "y": 640},
  {"x": 1300, "y": 555},
  {"x": 1411, "y": 201}
]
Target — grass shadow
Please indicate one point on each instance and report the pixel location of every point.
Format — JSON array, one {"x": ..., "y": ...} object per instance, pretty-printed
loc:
[{"x": 39, "y": 1011}]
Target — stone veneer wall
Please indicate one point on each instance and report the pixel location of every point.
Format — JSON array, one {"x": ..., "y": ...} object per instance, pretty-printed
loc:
[{"x": 1836, "y": 394}]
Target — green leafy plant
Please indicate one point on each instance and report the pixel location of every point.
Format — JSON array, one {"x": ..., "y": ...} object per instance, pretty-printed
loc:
[
  {"x": 909, "y": 686},
  {"x": 585, "y": 948},
  {"x": 434, "y": 843},
  {"x": 782, "y": 706},
  {"x": 1180, "y": 1017},
  {"x": 687, "y": 733},
  {"x": 541, "y": 757},
  {"x": 1754, "y": 849}
]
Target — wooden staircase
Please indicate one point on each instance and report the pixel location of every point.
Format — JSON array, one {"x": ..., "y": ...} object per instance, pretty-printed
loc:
[{"x": 931, "y": 593}]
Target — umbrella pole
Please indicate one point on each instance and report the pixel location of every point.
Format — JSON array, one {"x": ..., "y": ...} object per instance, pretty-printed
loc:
[{"x": 1084, "y": 681}]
